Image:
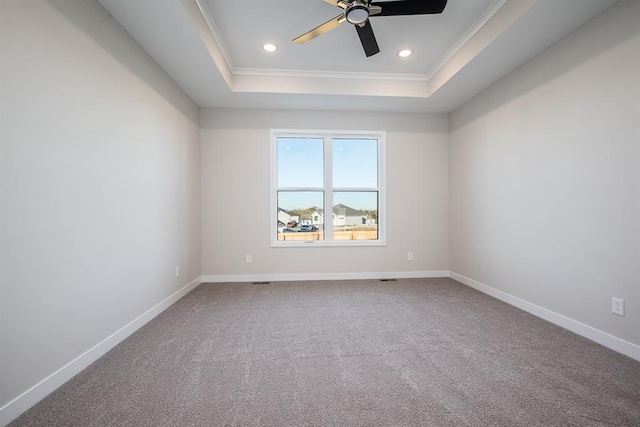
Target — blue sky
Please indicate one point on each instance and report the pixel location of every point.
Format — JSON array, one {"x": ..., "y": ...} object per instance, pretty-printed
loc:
[{"x": 300, "y": 164}]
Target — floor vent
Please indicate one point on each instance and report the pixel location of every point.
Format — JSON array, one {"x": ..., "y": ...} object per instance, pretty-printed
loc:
[
  {"x": 260, "y": 283},
  {"x": 388, "y": 280}
]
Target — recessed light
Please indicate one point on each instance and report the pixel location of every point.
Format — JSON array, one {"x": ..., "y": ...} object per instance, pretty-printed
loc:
[
  {"x": 404, "y": 53},
  {"x": 270, "y": 47}
]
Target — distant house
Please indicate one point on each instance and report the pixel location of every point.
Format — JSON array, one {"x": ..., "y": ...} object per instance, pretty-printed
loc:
[
  {"x": 339, "y": 217},
  {"x": 344, "y": 215},
  {"x": 286, "y": 217},
  {"x": 314, "y": 218}
]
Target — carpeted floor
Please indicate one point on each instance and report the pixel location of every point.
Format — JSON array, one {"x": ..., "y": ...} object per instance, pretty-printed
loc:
[{"x": 412, "y": 352}]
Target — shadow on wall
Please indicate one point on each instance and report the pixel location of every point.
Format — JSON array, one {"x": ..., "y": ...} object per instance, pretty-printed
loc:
[
  {"x": 126, "y": 51},
  {"x": 589, "y": 41}
]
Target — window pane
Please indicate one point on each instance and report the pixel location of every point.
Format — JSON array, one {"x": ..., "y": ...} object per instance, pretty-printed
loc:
[
  {"x": 300, "y": 215},
  {"x": 355, "y": 215},
  {"x": 300, "y": 162},
  {"x": 355, "y": 163}
]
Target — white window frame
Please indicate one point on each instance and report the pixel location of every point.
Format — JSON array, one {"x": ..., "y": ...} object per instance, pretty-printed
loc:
[{"x": 328, "y": 136}]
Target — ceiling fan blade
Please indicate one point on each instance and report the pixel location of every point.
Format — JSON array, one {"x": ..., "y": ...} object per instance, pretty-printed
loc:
[
  {"x": 410, "y": 7},
  {"x": 367, "y": 38},
  {"x": 340, "y": 3},
  {"x": 321, "y": 29}
]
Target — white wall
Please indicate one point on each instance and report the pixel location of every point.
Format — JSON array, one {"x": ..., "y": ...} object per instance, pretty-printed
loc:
[
  {"x": 100, "y": 181},
  {"x": 235, "y": 196},
  {"x": 545, "y": 179}
]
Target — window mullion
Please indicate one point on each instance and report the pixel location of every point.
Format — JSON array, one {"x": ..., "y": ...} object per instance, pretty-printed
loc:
[{"x": 328, "y": 191}]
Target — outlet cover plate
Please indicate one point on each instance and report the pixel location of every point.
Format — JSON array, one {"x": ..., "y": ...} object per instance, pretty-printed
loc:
[{"x": 617, "y": 306}]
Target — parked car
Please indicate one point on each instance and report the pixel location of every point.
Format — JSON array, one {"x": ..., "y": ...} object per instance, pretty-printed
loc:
[
  {"x": 288, "y": 230},
  {"x": 307, "y": 228},
  {"x": 291, "y": 224}
]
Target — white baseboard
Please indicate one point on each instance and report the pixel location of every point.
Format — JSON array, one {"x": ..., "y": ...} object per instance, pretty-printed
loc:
[
  {"x": 603, "y": 338},
  {"x": 225, "y": 278},
  {"x": 26, "y": 400}
]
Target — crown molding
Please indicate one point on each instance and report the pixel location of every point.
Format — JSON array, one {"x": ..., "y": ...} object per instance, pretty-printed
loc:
[
  {"x": 495, "y": 25},
  {"x": 215, "y": 33},
  {"x": 328, "y": 74},
  {"x": 484, "y": 18}
]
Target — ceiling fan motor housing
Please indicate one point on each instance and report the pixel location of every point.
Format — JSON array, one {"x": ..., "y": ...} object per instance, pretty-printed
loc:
[{"x": 358, "y": 12}]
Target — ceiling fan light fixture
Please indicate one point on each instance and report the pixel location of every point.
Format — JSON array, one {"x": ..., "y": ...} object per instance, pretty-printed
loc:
[
  {"x": 357, "y": 14},
  {"x": 269, "y": 47},
  {"x": 404, "y": 53}
]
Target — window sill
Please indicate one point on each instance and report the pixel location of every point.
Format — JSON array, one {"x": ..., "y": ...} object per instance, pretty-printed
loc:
[{"x": 332, "y": 244}]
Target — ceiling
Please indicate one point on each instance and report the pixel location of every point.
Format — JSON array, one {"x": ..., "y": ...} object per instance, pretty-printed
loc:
[{"x": 213, "y": 50}]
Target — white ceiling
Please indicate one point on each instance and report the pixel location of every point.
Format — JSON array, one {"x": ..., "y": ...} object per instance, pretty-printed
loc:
[{"x": 213, "y": 50}]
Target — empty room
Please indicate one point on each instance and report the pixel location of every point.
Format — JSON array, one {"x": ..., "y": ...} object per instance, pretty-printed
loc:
[{"x": 319, "y": 213}]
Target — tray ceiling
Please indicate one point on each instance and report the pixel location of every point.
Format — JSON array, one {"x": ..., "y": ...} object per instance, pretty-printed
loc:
[{"x": 213, "y": 50}]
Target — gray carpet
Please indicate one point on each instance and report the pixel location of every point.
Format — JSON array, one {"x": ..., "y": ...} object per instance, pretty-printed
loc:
[{"x": 415, "y": 352}]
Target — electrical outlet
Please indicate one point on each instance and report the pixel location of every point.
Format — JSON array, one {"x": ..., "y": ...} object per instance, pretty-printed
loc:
[
  {"x": 177, "y": 271},
  {"x": 249, "y": 259},
  {"x": 617, "y": 306},
  {"x": 410, "y": 256}
]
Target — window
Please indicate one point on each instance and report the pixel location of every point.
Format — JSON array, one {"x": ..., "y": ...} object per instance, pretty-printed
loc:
[{"x": 327, "y": 188}]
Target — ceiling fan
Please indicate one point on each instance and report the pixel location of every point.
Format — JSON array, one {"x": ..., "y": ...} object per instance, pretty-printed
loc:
[{"x": 357, "y": 12}]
